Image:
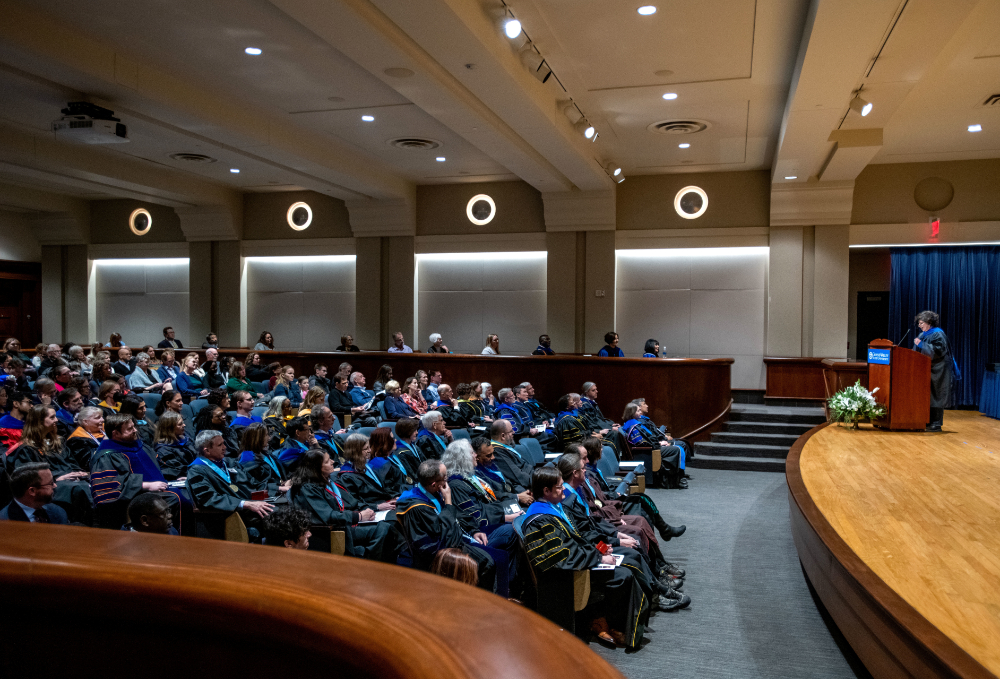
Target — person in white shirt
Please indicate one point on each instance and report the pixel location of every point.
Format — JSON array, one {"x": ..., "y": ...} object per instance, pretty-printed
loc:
[
  {"x": 492, "y": 347},
  {"x": 398, "y": 347}
]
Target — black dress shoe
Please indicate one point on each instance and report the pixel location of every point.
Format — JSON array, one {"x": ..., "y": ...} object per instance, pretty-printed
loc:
[
  {"x": 682, "y": 484},
  {"x": 672, "y": 532},
  {"x": 671, "y": 569},
  {"x": 669, "y": 604},
  {"x": 933, "y": 427},
  {"x": 672, "y": 581}
]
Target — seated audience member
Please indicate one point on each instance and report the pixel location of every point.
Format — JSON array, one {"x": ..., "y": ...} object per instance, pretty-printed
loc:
[
  {"x": 244, "y": 410},
  {"x": 313, "y": 398},
  {"x": 539, "y": 433},
  {"x": 121, "y": 469},
  {"x": 618, "y": 605},
  {"x": 324, "y": 424},
  {"x": 455, "y": 564},
  {"x": 570, "y": 426},
  {"x": 591, "y": 412},
  {"x": 652, "y": 349},
  {"x": 412, "y": 397},
  {"x": 257, "y": 371},
  {"x": 544, "y": 347},
  {"x": 264, "y": 470},
  {"x": 188, "y": 383},
  {"x": 509, "y": 461},
  {"x": 174, "y": 450},
  {"x": 124, "y": 365},
  {"x": 12, "y": 347},
  {"x": 638, "y": 433},
  {"x": 134, "y": 405},
  {"x": 539, "y": 413},
  {"x": 115, "y": 342},
  {"x": 143, "y": 378},
  {"x": 303, "y": 383},
  {"x": 487, "y": 471},
  {"x": 211, "y": 341},
  {"x": 315, "y": 490},
  {"x": 287, "y": 386},
  {"x": 33, "y": 489},
  {"x": 211, "y": 373},
  {"x": 265, "y": 342},
  {"x": 150, "y": 513},
  {"x": 506, "y": 410},
  {"x": 407, "y": 456},
  {"x": 170, "y": 400},
  {"x": 319, "y": 379},
  {"x": 150, "y": 351},
  {"x": 610, "y": 347},
  {"x": 423, "y": 381},
  {"x": 17, "y": 376},
  {"x": 395, "y": 407},
  {"x": 86, "y": 436},
  {"x": 363, "y": 481},
  {"x": 101, "y": 373},
  {"x": 472, "y": 408},
  {"x": 450, "y": 410},
  {"x": 437, "y": 344},
  {"x": 167, "y": 372},
  {"x": 434, "y": 380},
  {"x": 429, "y": 523},
  {"x": 383, "y": 378},
  {"x": 279, "y": 413},
  {"x": 40, "y": 354},
  {"x": 298, "y": 439},
  {"x": 70, "y": 402},
  {"x": 214, "y": 417},
  {"x": 359, "y": 395},
  {"x": 170, "y": 340},
  {"x": 217, "y": 483},
  {"x": 273, "y": 370},
  {"x": 340, "y": 401},
  {"x": 238, "y": 381},
  {"x": 390, "y": 469},
  {"x": 76, "y": 354},
  {"x": 288, "y": 527},
  {"x": 52, "y": 359},
  {"x": 433, "y": 436},
  {"x": 398, "y": 346},
  {"x": 82, "y": 385},
  {"x": 347, "y": 344},
  {"x": 60, "y": 376},
  {"x": 484, "y": 392},
  {"x": 492, "y": 347},
  {"x": 45, "y": 391},
  {"x": 345, "y": 369},
  {"x": 41, "y": 442},
  {"x": 108, "y": 396},
  {"x": 382, "y": 443}
]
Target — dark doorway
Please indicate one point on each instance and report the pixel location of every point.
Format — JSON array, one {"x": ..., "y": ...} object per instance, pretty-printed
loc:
[
  {"x": 873, "y": 319},
  {"x": 21, "y": 303}
]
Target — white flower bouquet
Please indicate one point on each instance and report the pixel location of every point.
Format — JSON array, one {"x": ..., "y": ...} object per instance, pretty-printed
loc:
[{"x": 855, "y": 403}]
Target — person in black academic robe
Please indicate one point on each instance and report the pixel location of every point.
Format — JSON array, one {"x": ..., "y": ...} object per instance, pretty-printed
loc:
[
  {"x": 81, "y": 445},
  {"x": 216, "y": 482},
  {"x": 509, "y": 461},
  {"x": 934, "y": 343},
  {"x": 72, "y": 492},
  {"x": 264, "y": 471},
  {"x": 174, "y": 457},
  {"x": 365, "y": 484}
]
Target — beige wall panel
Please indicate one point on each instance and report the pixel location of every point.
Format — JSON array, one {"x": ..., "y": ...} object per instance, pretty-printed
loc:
[
  {"x": 200, "y": 305},
  {"x": 832, "y": 265},
  {"x": 784, "y": 293},
  {"x": 52, "y": 294},
  {"x": 870, "y": 270},
  {"x": 441, "y": 208},
  {"x": 560, "y": 291},
  {"x": 368, "y": 296},
  {"x": 77, "y": 316},
  {"x": 727, "y": 322},
  {"x": 109, "y": 223},
  {"x": 265, "y": 216},
  {"x": 747, "y": 371},
  {"x": 17, "y": 243},
  {"x": 226, "y": 284},
  {"x": 397, "y": 278},
  {"x": 663, "y": 315},
  {"x": 138, "y": 300},
  {"x": 457, "y": 315},
  {"x": 734, "y": 199},
  {"x": 599, "y": 275}
]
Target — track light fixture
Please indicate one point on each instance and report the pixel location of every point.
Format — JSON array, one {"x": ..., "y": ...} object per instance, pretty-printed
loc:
[
  {"x": 861, "y": 106},
  {"x": 585, "y": 128},
  {"x": 512, "y": 28},
  {"x": 615, "y": 170},
  {"x": 535, "y": 64}
]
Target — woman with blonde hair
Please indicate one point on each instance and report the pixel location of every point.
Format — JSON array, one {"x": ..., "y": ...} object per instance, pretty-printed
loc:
[
  {"x": 174, "y": 450},
  {"x": 190, "y": 385},
  {"x": 314, "y": 397},
  {"x": 287, "y": 386}
]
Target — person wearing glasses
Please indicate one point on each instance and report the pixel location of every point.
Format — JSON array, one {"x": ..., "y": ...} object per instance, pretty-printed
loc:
[{"x": 33, "y": 488}]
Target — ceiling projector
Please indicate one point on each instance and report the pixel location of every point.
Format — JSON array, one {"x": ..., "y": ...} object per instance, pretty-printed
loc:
[{"x": 86, "y": 123}]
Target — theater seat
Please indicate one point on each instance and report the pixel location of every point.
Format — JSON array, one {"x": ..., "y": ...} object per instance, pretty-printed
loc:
[
  {"x": 260, "y": 387},
  {"x": 326, "y": 540},
  {"x": 197, "y": 404},
  {"x": 188, "y": 415},
  {"x": 381, "y": 409},
  {"x": 259, "y": 411},
  {"x": 388, "y": 425},
  {"x": 460, "y": 434},
  {"x": 152, "y": 400},
  {"x": 533, "y": 448}
]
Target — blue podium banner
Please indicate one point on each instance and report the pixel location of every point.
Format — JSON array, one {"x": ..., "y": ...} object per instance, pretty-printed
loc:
[{"x": 879, "y": 356}]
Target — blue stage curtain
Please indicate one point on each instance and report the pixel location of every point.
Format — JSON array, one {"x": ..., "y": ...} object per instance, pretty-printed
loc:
[{"x": 962, "y": 284}]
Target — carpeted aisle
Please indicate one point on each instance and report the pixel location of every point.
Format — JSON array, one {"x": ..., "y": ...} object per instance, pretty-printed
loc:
[{"x": 752, "y": 614}]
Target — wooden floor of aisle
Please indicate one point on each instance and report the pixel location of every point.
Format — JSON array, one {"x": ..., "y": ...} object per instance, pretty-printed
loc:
[{"x": 922, "y": 511}]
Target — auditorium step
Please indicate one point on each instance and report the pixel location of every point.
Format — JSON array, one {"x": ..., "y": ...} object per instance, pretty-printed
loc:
[{"x": 755, "y": 437}]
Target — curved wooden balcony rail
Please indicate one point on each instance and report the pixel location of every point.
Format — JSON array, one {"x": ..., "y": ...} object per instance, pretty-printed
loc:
[
  {"x": 686, "y": 394},
  {"x": 90, "y": 602}
]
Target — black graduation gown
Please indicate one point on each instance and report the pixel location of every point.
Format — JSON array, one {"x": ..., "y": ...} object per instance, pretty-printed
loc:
[
  {"x": 332, "y": 444},
  {"x": 472, "y": 411},
  {"x": 208, "y": 490},
  {"x": 410, "y": 459},
  {"x": 260, "y": 475},
  {"x": 935, "y": 345},
  {"x": 147, "y": 432},
  {"x": 430, "y": 447},
  {"x": 361, "y": 486},
  {"x": 276, "y": 428},
  {"x": 477, "y": 510},
  {"x": 79, "y": 447},
  {"x": 593, "y": 416},
  {"x": 370, "y": 541},
  {"x": 174, "y": 458},
  {"x": 590, "y": 526},
  {"x": 453, "y": 417},
  {"x": 538, "y": 412},
  {"x": 504, "y": 489},
  {"x": 394, "y": 479},
  {"x": 351, "y": 501},
  {"x": 233, "y": 448},
  {"x": 73, "y": 496},
  {"x": 119, "y": 481},
  {"x": 571, "y": 429},
  {"x": 322, "y": 506},
  {"x": 553, "y": 544},
  {"x": 513, "y": 465}
]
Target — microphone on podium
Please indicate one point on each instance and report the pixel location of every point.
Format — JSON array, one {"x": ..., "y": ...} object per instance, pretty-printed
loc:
[{"x": 900, "y": 343}]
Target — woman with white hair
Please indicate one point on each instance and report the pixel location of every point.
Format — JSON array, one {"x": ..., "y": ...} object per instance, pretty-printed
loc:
[
  {"x": 437, "y": 344},
  {"x": 143, "y": 378}
]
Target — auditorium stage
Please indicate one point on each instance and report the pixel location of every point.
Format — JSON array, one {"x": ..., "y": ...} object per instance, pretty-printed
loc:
[{"x": 899, "y": 533}]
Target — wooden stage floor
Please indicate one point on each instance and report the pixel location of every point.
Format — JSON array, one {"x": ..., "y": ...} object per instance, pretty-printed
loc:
[{"x": 922, "y": 511}]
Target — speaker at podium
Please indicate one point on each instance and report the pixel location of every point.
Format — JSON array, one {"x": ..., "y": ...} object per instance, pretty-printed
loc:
[{"x": 903, "y": 378}]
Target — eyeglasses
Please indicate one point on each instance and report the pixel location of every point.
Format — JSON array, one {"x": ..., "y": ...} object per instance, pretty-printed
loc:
[{"x": 45, "y": 485}]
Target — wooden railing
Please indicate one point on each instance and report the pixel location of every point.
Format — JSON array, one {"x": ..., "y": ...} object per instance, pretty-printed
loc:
[{"x": 90, "y": 602}]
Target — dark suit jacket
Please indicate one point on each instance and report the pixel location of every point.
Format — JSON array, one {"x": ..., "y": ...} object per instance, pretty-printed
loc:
[
  {"x": 123, "y": 369},
  {"x": 165, "y": 344},
  {"x": 13, "y": 512}
]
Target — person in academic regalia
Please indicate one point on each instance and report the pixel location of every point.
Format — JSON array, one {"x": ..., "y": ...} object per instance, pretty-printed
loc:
[
  {"x": 298, "y": 440},
  {"x": 538, "y": 411},
  {"x": 652, "y": 349},
  {"x": 136, "y": 407},
  {"x": 472, "y": 409},
  {"x": 70, "y": 402},
  {"x": 429, "y": 522},
  {"x": 363, "y": 481},
  {"x": 41, "y": 443},
  {"x": 33, "y": 489},
  {"x": 570, "y": 426},
  {"x": 316, "y": 490},
  {"x": 449, "y": 408},
  {"x": 327, "y": 437},
  {"x": 611, "y": 347},
  {"x": 264, "y": 470},
  {"x": 433, "y": 436},
  {"x": 507, "y": 491},
  {"x": 934, "y": 343},
  {"x": 672, "y": 462},
  {"x": 174, "y": 449},
  {"x": 279, "y": 413},
  {"x": 618, "y": 606},
  {"x": 407, "y": 455},
  {"x": 121, "y": 469},
  {"x": 508, "y": 459},
  {"x": 83, "y": 441},
  {"x": 544, "y": 347}
]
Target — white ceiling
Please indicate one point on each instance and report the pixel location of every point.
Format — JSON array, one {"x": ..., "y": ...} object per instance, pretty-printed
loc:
[{"x": 772, "y": 78}]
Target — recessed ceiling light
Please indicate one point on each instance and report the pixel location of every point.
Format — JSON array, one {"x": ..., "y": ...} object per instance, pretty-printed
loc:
[
  {"x": 975, "y": 128},
  {"x": 670, "y": 95},
  {"x": 512, "y": 28},
  {"x": 684, "y": 146},
  {"x": 368, "y": 119},
  {"x": 792, "y": 177},
  {"x": 646, "y": 10},
  {"x": 440, "y": 159},
  {"x": 253, "y": 50},
  {"x": 234, "y": 170}
]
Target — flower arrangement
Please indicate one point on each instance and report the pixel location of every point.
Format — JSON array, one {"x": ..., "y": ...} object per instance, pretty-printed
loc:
[{"x": 853, "y": 404}]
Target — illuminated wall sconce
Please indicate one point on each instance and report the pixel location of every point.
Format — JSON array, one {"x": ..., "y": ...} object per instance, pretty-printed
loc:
[
  {"x": 691, "y": 202},
  {"x": 140, "y": 221},
  {"x": 299, "y": 216},
  {"x": 481, "y": 209}
]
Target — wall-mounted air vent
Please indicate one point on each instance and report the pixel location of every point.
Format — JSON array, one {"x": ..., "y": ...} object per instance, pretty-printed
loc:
[
  {"x": 679, "y": 126},
  {"x": 414, "y": 143}
]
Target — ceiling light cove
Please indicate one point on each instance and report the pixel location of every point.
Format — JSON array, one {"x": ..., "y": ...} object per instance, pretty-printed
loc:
[
  {"x": 253, "y": 51},
  {"x": 368, "y": 119},
  {"x": 646, "y": 10},
  {"x": 512, "y": 28},
  {"x": 670, "y": 96},
  {"x": 975, "y": 128}
]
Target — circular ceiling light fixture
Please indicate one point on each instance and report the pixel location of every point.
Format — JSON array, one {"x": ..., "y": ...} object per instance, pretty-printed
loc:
[
  {"x": 646, "y": 10},
  {"x": 691, "y": 202},
  {"x": 140, "y": 221},
  {"x": 669, "y": 96},
  {"x": 512, "y": 28},
  {"x": 299, "y": 216},
  {"x": 253, "y": 51},
  {"x": 481, "y": 210}
]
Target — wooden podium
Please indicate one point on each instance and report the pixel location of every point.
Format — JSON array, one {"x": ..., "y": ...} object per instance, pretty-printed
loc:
[{"x": 903, "y": 378}]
